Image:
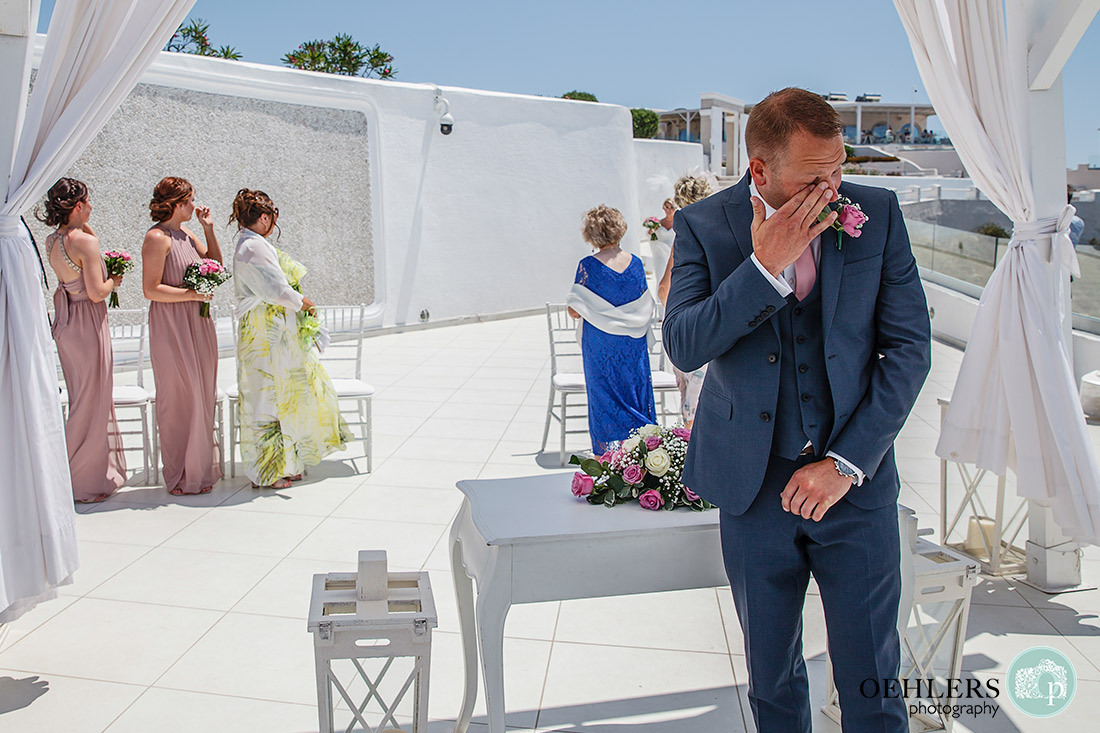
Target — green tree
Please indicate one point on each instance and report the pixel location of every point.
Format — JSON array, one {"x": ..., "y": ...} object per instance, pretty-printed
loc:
[
  {"x": 646, "y": 122},
  {"x": 194, "y": 38},
  {"x": 580, "y": 96},
  {"x": 992, "y": 229},
  {"x": 342, "y": 55}
]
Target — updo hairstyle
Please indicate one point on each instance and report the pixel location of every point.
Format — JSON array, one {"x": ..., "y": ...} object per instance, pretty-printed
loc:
[
  {"x": 249, "y": 206},
  {"x": 167, "y": 195},
  {"x": 603, "y": 227},
  {"x": 690, "y": 189},
  {"x": 61, "y": 200}
]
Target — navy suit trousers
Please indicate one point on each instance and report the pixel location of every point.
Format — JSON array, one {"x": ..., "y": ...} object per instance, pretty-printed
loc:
[{"x": 854, "y": 555}]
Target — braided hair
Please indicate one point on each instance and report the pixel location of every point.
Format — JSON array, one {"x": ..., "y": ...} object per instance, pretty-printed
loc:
[
  {"x": 249, "y": 205},
  {"x": 62, "y": 198}
]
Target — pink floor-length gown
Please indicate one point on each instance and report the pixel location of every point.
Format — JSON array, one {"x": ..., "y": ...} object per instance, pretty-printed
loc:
[
  {"x": 183, "y": 348},
  {"x": 96, "y": 461}
]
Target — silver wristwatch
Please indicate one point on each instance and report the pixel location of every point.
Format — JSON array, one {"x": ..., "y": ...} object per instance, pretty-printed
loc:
[{"x": 845, "y": 470}]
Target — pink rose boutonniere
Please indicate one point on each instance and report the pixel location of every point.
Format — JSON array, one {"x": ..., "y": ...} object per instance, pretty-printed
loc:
[{"x": 849, "y": 218}]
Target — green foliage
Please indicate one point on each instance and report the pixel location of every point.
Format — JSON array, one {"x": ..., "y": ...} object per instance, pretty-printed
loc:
[
  {"x": 991, "y": 229},
  {"x": 580, "y": 96},
  {"x": 342, "y": 55},
  {"x": 646, "y": 122},
  {"x": 850, "y": 152},
  {"x": 194, "y": 38}
]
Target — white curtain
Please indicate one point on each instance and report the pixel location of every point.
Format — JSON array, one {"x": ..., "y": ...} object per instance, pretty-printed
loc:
[
  {"x": 96, "y": 50},
  {"x": 1015, "y": 403}
]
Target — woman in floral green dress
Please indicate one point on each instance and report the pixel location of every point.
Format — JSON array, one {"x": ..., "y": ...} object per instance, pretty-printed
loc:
[{"x": 289, "y": 415}]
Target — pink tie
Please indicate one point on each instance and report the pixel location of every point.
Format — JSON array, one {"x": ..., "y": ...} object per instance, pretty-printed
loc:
[{"x": 805, "y": 273}]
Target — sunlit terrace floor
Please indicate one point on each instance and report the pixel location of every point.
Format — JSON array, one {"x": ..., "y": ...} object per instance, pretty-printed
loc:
[{"x": 189, "y": 613}]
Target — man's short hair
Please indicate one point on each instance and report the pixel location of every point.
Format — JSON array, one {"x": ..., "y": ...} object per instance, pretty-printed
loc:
[{"x": 779, "y": 115}]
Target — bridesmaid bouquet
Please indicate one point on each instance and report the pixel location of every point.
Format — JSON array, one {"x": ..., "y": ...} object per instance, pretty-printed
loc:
[
  {"x": 645, "y": 467},
  {"x": 118, "y": 263},
  {"x": 652, "y": 225},
  {"x": 203, "y": 276}
]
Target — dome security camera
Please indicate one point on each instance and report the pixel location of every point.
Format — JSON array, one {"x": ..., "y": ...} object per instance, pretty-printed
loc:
[
  {"x": 446, "y": 120},
  {"x": 446, "y": 123}
]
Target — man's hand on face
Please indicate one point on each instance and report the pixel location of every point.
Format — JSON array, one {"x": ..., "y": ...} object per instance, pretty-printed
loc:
[
  {"x": 814, "y": 489},
  {"x": 780, "y": 239}
]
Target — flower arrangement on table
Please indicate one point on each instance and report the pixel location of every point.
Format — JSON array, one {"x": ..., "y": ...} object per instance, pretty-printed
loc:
[
  {"x": 118, "y": 263},
  {"x": 652, "y": 225},
  {"x": 849, "y": 218},
  {"x": 202, "y": 277},
  {"x": 646, "y": 467}
]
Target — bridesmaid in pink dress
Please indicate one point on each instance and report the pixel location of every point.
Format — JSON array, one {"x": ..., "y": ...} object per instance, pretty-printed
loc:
[
  {"x": 96, "y": 461},
  {"x": 183, "y": 346}
]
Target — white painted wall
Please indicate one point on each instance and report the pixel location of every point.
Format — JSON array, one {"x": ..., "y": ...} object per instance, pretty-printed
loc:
[
  {"x": 658, "y": 164},
  {"x": 485, "y": 220}
]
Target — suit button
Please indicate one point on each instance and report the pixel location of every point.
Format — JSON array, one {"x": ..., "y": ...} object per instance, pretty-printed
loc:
[
  {"x": 806, "y": 396},
  {"x": 802, "y": 369},
  {"x": 772, "y": 358},
  {"x": 771, "y": 309},
  {"x": 800, "y": 340},
  {"x": 798, "y": 311},
  {"x": 765, "y": 417}
]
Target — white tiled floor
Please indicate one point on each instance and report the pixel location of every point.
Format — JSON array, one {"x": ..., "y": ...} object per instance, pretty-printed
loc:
[{"x": 188, "y": 613}]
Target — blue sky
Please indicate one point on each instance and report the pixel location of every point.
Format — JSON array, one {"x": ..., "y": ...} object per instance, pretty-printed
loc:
[{"x": 637, "y": 53}]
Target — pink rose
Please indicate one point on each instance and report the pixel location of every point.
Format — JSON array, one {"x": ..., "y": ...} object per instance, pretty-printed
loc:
[
  {"x": 653, "y": 442},
  {"x": 851, "y": 219},
  {"x": 690, "y": 495},
  {"x": 633, "y": 474},
  {"x": 582, "y": 484},
  {"x": 682, "y": 433},
  {"x": 651, "y": 500}
]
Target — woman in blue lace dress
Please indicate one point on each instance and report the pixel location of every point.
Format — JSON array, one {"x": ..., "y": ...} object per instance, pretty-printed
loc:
[{"x": 610, "y": 295}]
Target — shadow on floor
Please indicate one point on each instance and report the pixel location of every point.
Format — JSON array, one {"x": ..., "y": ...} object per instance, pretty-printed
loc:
[{"x": 18, "y": 694}]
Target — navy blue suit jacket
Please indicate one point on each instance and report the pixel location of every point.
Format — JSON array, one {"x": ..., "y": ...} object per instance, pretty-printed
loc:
[{"x": 721, "y": 311}]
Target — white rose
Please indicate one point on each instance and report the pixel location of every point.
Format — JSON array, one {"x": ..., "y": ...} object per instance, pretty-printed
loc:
[
  {"x": 630, "y": 444},
  {"x": 658, "y": 462},
  {"x": 647, "y": 430}
]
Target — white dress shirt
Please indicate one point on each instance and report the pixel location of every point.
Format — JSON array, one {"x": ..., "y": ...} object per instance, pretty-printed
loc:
[{"x": 784, "y": 285}]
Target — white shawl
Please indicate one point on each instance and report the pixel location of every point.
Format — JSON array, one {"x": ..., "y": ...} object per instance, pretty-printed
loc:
[{"x": 629, "y": 319}]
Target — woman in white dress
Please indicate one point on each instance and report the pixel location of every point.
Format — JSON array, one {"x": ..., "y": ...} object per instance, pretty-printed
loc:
[
  {"x": 688, "y": 190},
  {"x": 661, "y": 247}
]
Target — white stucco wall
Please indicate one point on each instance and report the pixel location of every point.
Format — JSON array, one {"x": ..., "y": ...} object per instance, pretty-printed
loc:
[
  {"x": 659, "y": 163},
  {"x": 485, "y": 220}
]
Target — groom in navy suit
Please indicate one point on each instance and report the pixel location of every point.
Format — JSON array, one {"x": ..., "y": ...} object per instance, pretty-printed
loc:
[{"x": 818, "y": 347}]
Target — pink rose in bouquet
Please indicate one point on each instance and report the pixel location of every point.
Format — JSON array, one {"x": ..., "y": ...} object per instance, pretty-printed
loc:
[
  {"x": 202, "y": 277},
  {"x": 653, "y": 442},
  {"x": 690, "y": 495},
  {"x": 118, "y": 263},
  {"x": 633, "y": 474},
  {"x": 651, "y": 499},
  {"x": 582, "y": 484},
  {"x": 682, "y": 433}
]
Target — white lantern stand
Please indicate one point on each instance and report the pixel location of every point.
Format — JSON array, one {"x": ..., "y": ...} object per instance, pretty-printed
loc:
[
  {"x": 935, "y": 630},
  {"x": 394, "y": 613},
  {"x": 990, "y": 536}
]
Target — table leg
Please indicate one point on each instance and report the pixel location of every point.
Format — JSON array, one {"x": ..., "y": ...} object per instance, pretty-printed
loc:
[
  {"x": 493, "y": 602},
  {"x": 464, "y": 595}
]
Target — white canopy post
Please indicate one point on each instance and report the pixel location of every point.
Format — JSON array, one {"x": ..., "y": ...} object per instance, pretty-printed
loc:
[
  {"x": 1045, "y": 33},
  {"x": 1015, "y": 403},
  {"x": 96, "y": 51}
]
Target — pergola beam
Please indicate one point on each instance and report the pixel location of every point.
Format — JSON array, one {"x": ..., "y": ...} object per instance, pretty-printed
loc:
[{"x": 1054, "y": 44}]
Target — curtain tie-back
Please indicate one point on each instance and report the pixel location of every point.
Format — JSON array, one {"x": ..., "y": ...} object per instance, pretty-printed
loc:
[
  {"x": 1055, "y": 229},
  {"x": 10, "y": 226}
]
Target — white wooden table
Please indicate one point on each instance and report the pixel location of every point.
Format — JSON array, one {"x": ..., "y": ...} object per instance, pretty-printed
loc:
[{"x": 526, "y": 540}]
